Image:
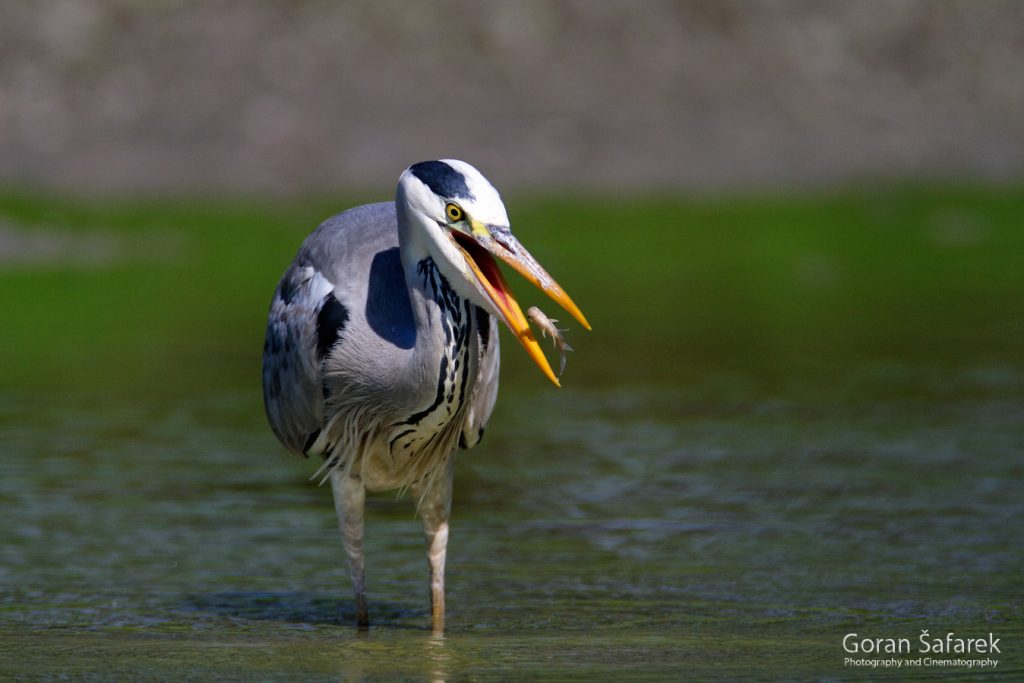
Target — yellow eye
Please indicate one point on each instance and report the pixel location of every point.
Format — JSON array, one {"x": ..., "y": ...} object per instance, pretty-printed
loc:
[{"x": 454, "y": 212}]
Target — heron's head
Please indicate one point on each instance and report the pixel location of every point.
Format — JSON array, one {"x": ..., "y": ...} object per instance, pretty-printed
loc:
[{"x": 455, "y": 212}]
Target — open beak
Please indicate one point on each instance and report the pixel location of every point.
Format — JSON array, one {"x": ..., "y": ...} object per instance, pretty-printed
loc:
[{"x": 478, "y": 248}]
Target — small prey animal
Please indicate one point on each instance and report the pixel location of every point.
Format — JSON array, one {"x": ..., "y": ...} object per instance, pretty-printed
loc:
[{"x": 547, "y": 328}]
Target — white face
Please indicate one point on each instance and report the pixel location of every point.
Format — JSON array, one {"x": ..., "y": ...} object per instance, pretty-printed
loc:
[
  {"x": 429, "y": 186},
  {"x": 428, "y": 191}
]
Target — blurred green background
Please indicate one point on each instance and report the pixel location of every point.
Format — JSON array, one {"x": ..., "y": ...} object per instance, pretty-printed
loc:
[{"x": 163, "y": 297}]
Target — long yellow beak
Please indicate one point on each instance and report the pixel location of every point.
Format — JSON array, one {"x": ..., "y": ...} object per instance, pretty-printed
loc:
[{"x": 500, "y": 241}]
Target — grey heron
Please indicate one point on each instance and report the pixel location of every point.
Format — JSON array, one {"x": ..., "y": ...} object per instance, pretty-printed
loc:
[{"x": 381, "y": 351}]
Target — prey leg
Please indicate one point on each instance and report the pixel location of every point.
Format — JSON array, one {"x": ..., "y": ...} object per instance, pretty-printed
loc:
[
  {"x": 435, "y": 509},
  {"x": 349, "y": 503}
]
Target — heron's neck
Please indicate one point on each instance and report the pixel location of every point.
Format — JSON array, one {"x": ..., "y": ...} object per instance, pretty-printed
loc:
[
  {"x": 433, "y": 298},
  {"x": 444, "y": 354},
  {"x": 412, "y": 245},
  {"x": 442, "y": 351}
]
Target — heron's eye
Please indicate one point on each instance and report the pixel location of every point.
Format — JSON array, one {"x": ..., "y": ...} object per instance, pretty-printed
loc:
[{"x": 454, "y": 212}]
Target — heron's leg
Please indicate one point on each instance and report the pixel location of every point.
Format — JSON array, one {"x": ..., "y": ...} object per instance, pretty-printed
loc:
[
  {"x": 349, "y": 502},
  {"x": 435, "y": 509}
]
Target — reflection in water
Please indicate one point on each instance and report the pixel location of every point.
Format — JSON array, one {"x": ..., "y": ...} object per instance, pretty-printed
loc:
[
  {"x": 439, "y": 656},
  {"x": 366, "y": 654}
]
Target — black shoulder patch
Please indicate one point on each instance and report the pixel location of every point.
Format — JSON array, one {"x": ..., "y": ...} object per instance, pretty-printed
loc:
[
  {"x": 442, "y": 179},
  {"x": 330, "y": 322},
  {"x": 388, "y": 311}
]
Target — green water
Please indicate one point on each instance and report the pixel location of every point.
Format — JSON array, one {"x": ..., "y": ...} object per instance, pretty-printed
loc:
[{"x": 796, "y": 418}]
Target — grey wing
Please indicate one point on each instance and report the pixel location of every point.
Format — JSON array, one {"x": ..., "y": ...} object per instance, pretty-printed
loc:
[
  {"x": 485, "y": 390},
  {"x": 292, "y": 381}
]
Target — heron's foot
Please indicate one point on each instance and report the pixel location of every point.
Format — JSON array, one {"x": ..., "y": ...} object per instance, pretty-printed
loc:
[
  {"x": 362, "y": 613},
  {"x": 437, "y": 610}
]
